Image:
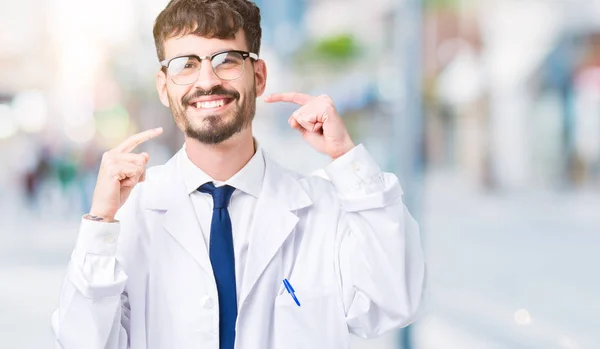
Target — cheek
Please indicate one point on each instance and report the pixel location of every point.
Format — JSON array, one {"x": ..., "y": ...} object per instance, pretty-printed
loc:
[
  {"x": 176, "y": 93},
  {"x": 247, "y": 90}
]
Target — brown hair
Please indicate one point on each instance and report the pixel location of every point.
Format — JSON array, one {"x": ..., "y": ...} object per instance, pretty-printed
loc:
[{"x": 219, "y": 19}]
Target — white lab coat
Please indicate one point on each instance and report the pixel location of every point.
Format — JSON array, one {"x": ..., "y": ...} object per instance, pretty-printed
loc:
[{"x": 350, "y": 250}]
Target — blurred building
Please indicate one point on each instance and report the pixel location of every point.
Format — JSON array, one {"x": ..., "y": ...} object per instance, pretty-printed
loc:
[{"x": 499, "y": 83}]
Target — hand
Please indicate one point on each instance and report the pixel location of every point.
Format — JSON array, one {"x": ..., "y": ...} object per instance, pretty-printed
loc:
[
  {"x": 120, "y": 171},
  {"x": 318, "y": 122}
]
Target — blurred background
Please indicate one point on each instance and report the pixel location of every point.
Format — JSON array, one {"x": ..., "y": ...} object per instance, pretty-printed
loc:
[{"x": 489, "y": 111}]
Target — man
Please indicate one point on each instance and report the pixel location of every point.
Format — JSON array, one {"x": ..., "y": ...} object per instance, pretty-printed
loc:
[{"x": 221, "y": 247}]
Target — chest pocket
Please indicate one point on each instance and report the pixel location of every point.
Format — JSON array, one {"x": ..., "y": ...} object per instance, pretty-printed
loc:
[{"x": 316, "y": 324}]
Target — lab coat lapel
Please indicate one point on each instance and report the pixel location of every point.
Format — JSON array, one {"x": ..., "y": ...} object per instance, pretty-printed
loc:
[
  {"x": 274, "y": 220},
  {"x": 168, "y": 194}
]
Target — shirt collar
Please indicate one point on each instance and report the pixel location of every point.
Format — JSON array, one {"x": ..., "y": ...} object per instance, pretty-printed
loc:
[{"x": 249, "y": 179}]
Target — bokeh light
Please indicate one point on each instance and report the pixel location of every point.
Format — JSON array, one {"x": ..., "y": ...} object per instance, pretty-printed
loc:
[{"x": 8, "y": 125}]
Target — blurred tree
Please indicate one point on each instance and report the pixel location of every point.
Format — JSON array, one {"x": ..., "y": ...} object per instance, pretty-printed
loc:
[
  {"x": 442, "y": 4},
  {"x": 337, "y": 50}
]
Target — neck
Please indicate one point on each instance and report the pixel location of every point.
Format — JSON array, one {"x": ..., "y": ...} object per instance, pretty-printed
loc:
[{"x": 221, "y": 161}]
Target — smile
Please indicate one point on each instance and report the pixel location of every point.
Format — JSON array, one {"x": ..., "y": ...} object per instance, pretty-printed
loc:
[{"x": 217, "y": 103}]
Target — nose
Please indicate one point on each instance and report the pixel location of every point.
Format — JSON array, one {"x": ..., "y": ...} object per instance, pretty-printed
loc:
[{"x": 207, "y": 79}]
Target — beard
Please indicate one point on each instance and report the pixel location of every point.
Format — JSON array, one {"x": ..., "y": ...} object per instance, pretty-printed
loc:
[{"x": 215, "y": 128}]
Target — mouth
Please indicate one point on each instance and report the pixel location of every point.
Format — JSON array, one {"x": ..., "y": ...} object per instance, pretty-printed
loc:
[{"x": 212, "y": 105}]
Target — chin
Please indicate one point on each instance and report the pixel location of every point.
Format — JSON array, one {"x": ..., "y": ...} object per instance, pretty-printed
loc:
[{"x": 210, "y": 135}]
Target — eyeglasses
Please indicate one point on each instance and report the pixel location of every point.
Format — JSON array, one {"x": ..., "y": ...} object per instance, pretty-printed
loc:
[{"x": 227, "y": 65}]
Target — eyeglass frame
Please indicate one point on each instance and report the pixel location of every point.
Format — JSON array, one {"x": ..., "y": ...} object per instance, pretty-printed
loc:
[{"x": 245, "y": 54}]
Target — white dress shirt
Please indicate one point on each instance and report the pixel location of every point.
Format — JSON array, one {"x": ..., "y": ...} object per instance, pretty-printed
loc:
[{"x": 247, "y": 183}]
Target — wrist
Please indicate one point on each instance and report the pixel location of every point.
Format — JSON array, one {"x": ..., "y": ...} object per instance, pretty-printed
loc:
[
  {"x": 98, "y": 217},
  {"x": 342, "y": 150}
]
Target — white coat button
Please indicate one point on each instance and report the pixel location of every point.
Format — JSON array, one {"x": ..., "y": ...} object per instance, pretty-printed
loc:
[
  {"x": 109, "y": 239},
  {"x": 208, "y": 302},
  {"x": 356, "y": 166}
]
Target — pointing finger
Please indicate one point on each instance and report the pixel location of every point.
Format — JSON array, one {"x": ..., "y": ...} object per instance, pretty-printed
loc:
[
  {"x": 132, "y": 142},
  {"x": 291, "y": 97}
]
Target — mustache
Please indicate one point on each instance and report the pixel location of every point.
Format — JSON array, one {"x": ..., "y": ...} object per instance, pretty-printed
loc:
[{"x": 217, "y": 90}]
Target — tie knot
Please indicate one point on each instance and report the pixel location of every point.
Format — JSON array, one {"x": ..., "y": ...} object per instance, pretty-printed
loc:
[{"x": 221, "y": 195}]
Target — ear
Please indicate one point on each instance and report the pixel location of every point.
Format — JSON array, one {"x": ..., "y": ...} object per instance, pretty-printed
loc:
[
  {"x": 260, "y": 77},
  {"x": 161, "y": 87}
]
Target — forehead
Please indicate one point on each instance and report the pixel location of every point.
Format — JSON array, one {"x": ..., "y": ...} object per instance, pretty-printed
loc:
[{"x": 202, "y": 46}]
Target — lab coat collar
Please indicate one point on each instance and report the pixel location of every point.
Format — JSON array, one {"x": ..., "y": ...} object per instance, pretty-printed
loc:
[
  {"x": 274, "y": 219},
  {"x": 165, "y": 191}
]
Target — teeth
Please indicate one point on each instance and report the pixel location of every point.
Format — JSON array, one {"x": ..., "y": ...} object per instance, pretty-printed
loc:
[{"x": 211, "y": 104}]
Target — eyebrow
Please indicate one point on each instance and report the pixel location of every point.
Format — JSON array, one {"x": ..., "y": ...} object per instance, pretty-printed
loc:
[{"x": 210, "y": 54}]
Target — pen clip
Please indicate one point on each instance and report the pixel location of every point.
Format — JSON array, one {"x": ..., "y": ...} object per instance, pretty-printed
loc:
[
  {"x": 288, "y": 286},
  {"x": 291, "y": 291}
]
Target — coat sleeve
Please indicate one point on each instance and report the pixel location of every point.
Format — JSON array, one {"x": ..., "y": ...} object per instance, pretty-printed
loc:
[
  {"x": 379, "y": 257},
  {"x": 94, "y": 308}
]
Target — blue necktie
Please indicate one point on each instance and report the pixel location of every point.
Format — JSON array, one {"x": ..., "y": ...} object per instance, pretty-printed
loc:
[{"x": 223, "y": 262}]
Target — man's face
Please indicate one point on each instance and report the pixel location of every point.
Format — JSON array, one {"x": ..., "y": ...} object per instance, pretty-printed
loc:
[{"x": 211, "y": 110}]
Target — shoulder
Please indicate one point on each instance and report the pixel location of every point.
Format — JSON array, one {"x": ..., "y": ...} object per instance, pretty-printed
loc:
[{"x": 316, "y": 184}]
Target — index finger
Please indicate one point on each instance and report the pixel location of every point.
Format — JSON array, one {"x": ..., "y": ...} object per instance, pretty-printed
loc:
[
  {"x": 132, "y": 142},
  {"x": 292, "y": 97}
]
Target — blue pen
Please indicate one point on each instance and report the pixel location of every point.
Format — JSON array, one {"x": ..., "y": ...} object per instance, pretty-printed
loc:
[{"x": 290, "y": 290}]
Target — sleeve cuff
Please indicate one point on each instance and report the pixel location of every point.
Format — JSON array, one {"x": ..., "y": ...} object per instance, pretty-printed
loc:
[
  {"x": 356, "y": 173},
  {"x": 98, "y": 238}
]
